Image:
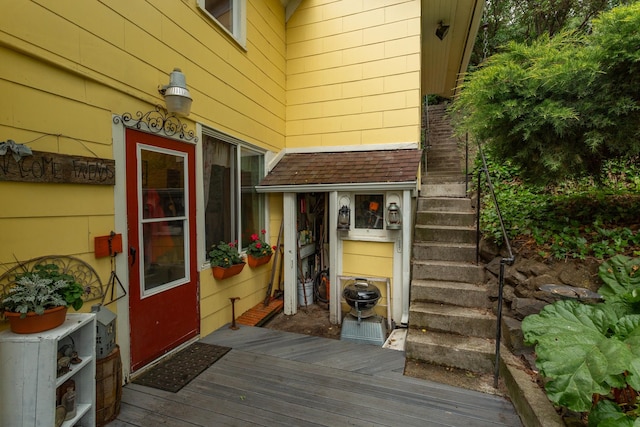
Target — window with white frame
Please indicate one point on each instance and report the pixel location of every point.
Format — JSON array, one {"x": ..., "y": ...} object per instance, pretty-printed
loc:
[
  {"x": 233, "y": 208},
  {"x": 369, "y": 211},
  {"x": 230, "y": 15}
]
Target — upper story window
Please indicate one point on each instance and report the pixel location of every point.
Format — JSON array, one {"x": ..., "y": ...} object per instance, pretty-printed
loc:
[
  {"x": 233, "y": 208},
  {"x": 231, "y": 15}
]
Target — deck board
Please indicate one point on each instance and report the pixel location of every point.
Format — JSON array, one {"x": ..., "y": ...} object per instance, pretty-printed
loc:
[{"x": 274, "y": 378}]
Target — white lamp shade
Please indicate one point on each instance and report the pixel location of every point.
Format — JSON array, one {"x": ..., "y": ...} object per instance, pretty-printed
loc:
[{"x": 176, "y": 94}]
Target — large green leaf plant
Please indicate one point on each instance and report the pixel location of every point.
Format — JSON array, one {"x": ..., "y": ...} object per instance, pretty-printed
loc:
[{"x": 589, "y": 354}]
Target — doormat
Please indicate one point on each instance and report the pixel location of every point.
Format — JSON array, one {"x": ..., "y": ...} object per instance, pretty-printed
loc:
[{"x": 178, "y": 370}]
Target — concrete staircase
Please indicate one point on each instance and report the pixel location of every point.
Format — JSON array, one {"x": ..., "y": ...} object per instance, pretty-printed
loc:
[{"x": 450, "y": 321}]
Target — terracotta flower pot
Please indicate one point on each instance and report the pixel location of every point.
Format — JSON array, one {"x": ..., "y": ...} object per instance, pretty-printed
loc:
[
  {"x": 255, "y": 262},
  {"x": 33, "y": 323},
  {"x": 222, "y": 273}
]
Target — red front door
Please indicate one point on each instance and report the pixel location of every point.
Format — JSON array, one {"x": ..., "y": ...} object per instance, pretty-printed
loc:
[{"x": 163, "y": 280}]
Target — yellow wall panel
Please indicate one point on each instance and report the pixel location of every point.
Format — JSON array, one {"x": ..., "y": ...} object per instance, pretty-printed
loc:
[
  {"x": 332, "y": 10},
  {"x": 303, "y": 49},
  {"x": 384, "y": 33},
  {"x": 339, "y": 139},
  {"x": 324, "y": 28},
  {"x": 309, "y": 11},
  {"x": 362, "y": 121},
  {"x": 387, "y": 101},
  {"x": 404, "y": 117},
  {"x": 35, "y": 25},
  {"x": 402, "y": 10},
  {"x": 343, "y": 107},
  {"x": 305, "y": 140},
  {"x": 363, "y": 87},
  {"x": 26, "y": 238},
  {"x": 331, "y": 76},
  {"x": 343, "y": 41},
  {"x": 268, "y": 16},
  {"x": 324, "y": 61},
  {"x": 407, "y": 81},
  {"x": 99, "y": 54},
  {"x": 404, "y": 46},
  {"x": 111, "y": 23},
  {"x": 364, "y": 54},
  {"x": 316, "y": 94},
  {"x": 305, "y": 111},
  {"x": 294, "y": 127},
  {"x": 375, "y": 54},
  {"x": 397, "y": 134},
  {"x": 27, "y": 72},
  {"x": 31, "y": 200},
  {"x": 68, "y": 117},
  {"x": 385, "y": 67},
  {"x": 371, "y": 18}
]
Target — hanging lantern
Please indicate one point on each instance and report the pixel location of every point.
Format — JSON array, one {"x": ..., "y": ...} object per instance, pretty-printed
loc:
[
  {"x": 394, "y": 217},
  {"x": 344, "y": 218}
]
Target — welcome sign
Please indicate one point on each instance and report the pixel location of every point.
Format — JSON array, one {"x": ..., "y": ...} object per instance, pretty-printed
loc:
[{"x": 57, "y": 168}]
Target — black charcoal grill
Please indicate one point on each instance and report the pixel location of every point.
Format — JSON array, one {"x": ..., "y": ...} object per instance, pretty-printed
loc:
[
  {"x": 362, "y": 297},
  {"x": 361, "y": 324}
]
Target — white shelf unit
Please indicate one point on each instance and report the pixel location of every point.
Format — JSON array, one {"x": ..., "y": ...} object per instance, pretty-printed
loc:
[{"x": 28, "y": 374}]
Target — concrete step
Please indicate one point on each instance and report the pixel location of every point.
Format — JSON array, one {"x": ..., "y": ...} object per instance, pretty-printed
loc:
[
  {"x": 445, "y": 179},
  {"x": 469, "y": 353},
  {"x": 444, "y": 233},
  {"x": 447, "y": 204},
  {"x": 443, "y": 158},
  {"x": 467, "y": 321},
  {"x": 443, "y": 251},
  {"x": 443, "y": 190},
  {"x": 462, "y": 219},
  {"x": 447, "y": 271},
  {"x": 438, "y": 172},
  {"x": 453, "y": 293}
]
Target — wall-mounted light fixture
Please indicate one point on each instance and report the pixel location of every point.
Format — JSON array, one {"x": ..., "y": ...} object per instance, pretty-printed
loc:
[
  {"x": 176, "y": 94},
  {"x": 442, "y": 30},
  {"x": 344, "y": 218},
  {"x": 394, "y": 217}
]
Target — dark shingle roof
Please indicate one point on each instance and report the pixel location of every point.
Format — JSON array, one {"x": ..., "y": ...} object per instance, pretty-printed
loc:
[{"x": 345, "y": 168}]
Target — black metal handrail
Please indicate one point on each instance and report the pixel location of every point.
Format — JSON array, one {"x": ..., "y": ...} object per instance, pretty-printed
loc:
[{"x": 504, "y": 261}]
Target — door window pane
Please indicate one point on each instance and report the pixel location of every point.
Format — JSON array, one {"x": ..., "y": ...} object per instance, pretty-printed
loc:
[{"x": 163, "y": 220}]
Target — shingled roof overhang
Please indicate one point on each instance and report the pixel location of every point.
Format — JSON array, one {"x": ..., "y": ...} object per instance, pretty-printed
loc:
[{"x": 345, "y": 171}]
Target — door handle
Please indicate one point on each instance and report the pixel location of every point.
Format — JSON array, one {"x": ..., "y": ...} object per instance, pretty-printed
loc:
[{"x": 132, "y": 255}]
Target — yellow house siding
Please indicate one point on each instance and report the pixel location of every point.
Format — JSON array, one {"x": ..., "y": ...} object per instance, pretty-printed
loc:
[
  {"x": 133, "y": 47},
  {"x": 68, "y": 66},
  {"x": 343, "y": 58},
  {"x": 250, "y": 285}
]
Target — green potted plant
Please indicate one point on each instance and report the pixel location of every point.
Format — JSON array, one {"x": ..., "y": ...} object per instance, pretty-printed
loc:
[
  {"x": 226, "y": 260},
  {"x": 39, "y": 299},
  {"x": 258, "y": 252}
]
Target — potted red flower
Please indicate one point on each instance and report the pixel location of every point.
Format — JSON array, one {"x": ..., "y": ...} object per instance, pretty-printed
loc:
[
  {"x": 226, "y": 260},
  {"x": 258, "y": 252}
]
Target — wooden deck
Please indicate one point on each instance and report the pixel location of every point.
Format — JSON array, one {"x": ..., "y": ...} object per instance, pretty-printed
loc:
[{"x": 273, "y": 378}]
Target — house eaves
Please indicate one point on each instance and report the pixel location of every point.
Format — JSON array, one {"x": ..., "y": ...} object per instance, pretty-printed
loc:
[
  {"x": 445, "y": 61},
  {"x": 377, "y": 170}
]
